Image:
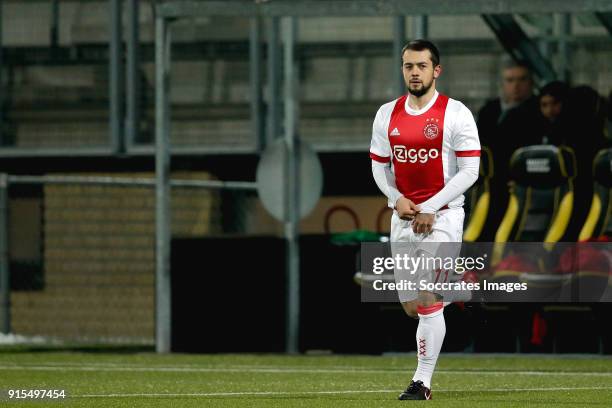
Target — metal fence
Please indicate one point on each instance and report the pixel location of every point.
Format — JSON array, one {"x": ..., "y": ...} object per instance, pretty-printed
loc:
[{"x": 78, "y": 253}]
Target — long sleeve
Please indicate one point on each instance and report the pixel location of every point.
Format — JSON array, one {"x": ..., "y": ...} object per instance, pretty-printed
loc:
[
  {"x": 380, "y": 153},
  {"x": 385, "y": 180},
  {"x": 465, "y": 177},
  {"x": 466, "y": 146}
]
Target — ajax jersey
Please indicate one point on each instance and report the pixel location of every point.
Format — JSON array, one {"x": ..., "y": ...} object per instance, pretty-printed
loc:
[{"x": 423, "y": 145}]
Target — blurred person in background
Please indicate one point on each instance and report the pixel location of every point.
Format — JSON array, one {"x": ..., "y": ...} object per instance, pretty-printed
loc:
[
  {"x": 551, "y": 101},
  {"x": 506, "y": 123}
]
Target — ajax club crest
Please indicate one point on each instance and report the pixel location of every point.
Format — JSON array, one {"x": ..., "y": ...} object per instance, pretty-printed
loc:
[{"x": 431, "y": 128}]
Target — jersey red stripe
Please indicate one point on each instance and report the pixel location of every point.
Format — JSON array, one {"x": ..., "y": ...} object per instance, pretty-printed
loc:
[
  {"x": 468, "y": 153},
  {"x": 380, "y": 159}
]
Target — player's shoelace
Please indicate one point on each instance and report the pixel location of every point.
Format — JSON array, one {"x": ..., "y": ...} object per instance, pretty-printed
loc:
[{"x": 414, "y": 387}]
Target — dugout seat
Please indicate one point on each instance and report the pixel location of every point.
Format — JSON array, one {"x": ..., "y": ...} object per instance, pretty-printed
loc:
[
  {"x": 541, "y": 195},
  {"x": 478, "y": 198},
  {"x": 592, "y": 280},
  {"x": 541, "y": 199},
  {"x": 539, "y": 208},
  {"x": 599, "y": 221}
]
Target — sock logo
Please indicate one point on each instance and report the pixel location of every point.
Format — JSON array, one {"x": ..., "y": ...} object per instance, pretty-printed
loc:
[{"x": 422, "y": 347}]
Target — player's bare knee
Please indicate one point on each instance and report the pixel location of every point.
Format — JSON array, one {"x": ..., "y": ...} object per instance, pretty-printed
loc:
[
  {"x": 411, "y": 309},
  {"x": 426, "y": 299}
]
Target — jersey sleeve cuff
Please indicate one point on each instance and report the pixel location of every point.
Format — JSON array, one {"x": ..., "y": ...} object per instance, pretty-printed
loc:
[
  {"x": 393, "y": 197},
  {"x": 427, "y": 210},
  {"x": 380, "y": 159},
  {"x": 468, "y": 153}
]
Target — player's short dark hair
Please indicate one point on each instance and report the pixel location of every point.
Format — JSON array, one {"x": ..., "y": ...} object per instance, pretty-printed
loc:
[{"x": 421, "y": 45}]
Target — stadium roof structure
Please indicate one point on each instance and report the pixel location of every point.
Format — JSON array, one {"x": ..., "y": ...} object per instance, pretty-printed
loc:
[{"x": 346, "y": 8}]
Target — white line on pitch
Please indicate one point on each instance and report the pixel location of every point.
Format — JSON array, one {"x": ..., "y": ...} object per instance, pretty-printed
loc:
[
  {"x": 287, "y": 370},
  {"x": 231, "y": 394},
  {"x": 273, "y": 393}
]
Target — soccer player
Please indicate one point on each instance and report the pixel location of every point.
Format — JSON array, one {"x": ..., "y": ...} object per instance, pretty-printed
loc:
[{"x": 425, "y": 154}]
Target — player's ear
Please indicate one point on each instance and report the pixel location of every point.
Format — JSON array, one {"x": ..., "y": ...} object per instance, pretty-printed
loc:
[{"x": 437, "y": 71}]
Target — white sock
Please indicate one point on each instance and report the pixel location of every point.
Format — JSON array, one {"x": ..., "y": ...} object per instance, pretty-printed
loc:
[{"x": 429, "y": 336}]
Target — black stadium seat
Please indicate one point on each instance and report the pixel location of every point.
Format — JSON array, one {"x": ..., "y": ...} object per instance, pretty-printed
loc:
[
  {"x": 539, "y": 207},
  {"x": 593, "y": 283},
  {"x": 541, "y": 195},
  {"x": 599, "y": 220},
  {"x": 539, "y": 210}
]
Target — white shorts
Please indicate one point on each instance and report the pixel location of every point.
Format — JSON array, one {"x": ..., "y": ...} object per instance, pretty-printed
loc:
[{"x": 447, "y": 228}]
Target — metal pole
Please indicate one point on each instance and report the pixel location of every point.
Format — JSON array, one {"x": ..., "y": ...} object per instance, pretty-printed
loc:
[
  {"x": 132, "y": 119},
  {"x": 54, "y": 23},
  {"x": 2, "y": 87},
  {"x": 133, "y": 182},
  {"x": 544, "y": 41},
  {"x": 116, "y": 76},
  {"x": 162, "y": 187},
  {"x": 564, "y": 30},
  {"x": 291, "y": 191},
  {"x": 399, "y": 38},
  {"x": 420, "y": 27},
  {"x": 5, "y": 281},
  {"x": 257, "y": 119},
  {"x": 274, "y": 73}
]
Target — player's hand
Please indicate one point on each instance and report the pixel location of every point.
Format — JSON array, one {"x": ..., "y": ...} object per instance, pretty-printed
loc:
[
  {"x": 423, "y": 223},
  {"x": 406, "y": 209}
]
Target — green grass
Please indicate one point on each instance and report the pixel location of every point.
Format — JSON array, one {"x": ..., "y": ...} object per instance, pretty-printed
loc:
[{"x": 112, "y": 379}]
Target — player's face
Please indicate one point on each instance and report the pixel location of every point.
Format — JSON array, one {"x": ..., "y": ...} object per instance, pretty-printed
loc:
[
  {"x": 419, "y": 72},
  {"x": 516, "y": 84}
]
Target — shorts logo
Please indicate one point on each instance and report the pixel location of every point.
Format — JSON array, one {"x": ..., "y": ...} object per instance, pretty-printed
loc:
[
  {"x": 403, "y": 155},
  {"x": 431, "y": 128}
]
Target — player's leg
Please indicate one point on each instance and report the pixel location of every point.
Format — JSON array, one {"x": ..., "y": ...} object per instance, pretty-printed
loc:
[
  {"x": 429, "y": 338},
  {"x": 429, "y": 309}
]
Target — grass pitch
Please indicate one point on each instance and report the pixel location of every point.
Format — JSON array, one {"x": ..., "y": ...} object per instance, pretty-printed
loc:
[{"x": 179, "y": 380}]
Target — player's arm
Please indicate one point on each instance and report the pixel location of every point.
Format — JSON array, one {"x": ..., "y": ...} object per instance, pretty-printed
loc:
[
  {"x": 465, "y": 177},
  {"x": 466, "y": 145},
  {"x": 385, "y": 180},
  {"x": 380, "y": 153}
]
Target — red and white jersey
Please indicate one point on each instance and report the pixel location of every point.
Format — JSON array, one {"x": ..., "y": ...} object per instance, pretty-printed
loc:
[{"x": 423, "y": 145}]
